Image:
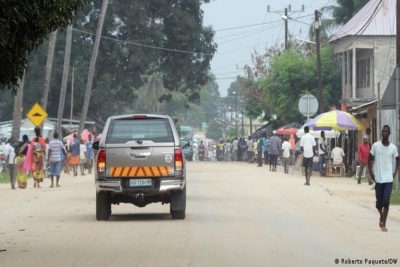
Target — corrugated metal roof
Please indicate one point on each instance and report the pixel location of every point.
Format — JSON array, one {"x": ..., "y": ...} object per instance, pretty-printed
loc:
[
  {"x": 364, "y": 105},
  {"x": 377, "y": 17}
]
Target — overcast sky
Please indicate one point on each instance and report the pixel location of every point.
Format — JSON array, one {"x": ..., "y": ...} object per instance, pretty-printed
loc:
[{"x": 236, "y": 39}]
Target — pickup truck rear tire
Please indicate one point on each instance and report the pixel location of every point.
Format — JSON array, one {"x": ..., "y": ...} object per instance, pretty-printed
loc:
[
  {"x": 178, "y": 204},
  {"x": 103, "y": 206}
]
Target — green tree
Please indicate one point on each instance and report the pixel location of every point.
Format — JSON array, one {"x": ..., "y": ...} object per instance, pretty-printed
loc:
[
  {"x": 293, "y": 75},
  {"x": 24, "y": 26},
  {"x": 148, "y": 95},
  {"x": 210, "y": 99},
  {"x": 214, "y": 129},
  {"x": 139, "y": 39},
  {"x": 346, "y": 9}
]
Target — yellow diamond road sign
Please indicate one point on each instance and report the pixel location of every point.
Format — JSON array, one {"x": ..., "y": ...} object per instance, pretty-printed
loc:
[{"x": 37, "y": 114}]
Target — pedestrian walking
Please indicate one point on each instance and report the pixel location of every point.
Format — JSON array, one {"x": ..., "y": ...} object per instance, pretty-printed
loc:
[
  {"x": 362, "y": 155},
  {"x": 322, "y": 153},
  {"x": 286, "y": 148},
  {"x": 307, "y": 146},
  {"x": 260, "y": 146},
  {"x": 228, "y": 150},
  {"x": 275, "y": 146},
  {"x": 38, "y": 148},
  {"x": 89, "y": 153},
  {"x": 74, "y": 148},
  {"x": 22, "y": 164},
  {"x": 265, "y": 148},
  {"x": 54, "y": 159},
  {"x": 249, "y": 144},
  {"x": 10, "y": 160},
  {"x": 383, "y": 153},
  {"x": 82, "y": 157},
  {"x": 235, "y": 146}
]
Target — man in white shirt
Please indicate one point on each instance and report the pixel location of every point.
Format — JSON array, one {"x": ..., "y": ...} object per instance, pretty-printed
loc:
[
  {"x": 250, "y": 150},
  {"x": 383, "y": 153},
  {"x": 235, "y": 146},
  {"x": 307, "y": 146},
  {"x": 10, "y": 160},
  {"x": 286, "y": 147},
  {"x": 228, "y": 149},
  {"x": 82, "y": 157},
  {"x": 337, "y": 154},
  {"x": 322, "y": 153}
]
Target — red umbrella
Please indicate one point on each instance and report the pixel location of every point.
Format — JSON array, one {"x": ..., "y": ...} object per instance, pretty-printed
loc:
[
  {"x": 98, "y": 137},
  {"x": 85, "y": 135},
  {"x": 288, "y": 131}
]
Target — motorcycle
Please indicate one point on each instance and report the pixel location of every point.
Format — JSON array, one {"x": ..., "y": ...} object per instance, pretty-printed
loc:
[
  {"x": 220, "y": 154},
  {"x": 200, "y": 154}
]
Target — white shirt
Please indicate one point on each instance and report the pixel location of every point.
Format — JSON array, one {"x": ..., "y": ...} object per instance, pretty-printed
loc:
[
  {"x": 321, "y": 142},
  {"x": 6, "y": 149},
  {"x": 337, "y": 155},
  {"x": 10, "y": 153},
  {"x": 82, "y": 151},
  {"x": 249, "y": 145},
  {"x": 235, "y": 144},
  {"x": 286, "y": 147},
  {"x": 228, "y": 147},
  {"x": 384, "y": 161},
  {"x": 308, "y": 143}
]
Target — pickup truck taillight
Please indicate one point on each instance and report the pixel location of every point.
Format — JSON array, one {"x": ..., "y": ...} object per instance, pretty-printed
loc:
[
  {"x": 101, "y": 161},
  {"x": 178, "y": 160}
]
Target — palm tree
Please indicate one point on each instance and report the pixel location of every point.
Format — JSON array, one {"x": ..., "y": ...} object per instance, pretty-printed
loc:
[
  {"x": 49, "y": 68},
  {"x": 341, "y": 13},
  {"x": 149, "y": 95},
  {"x": 17, "y": 115},
  {"x": 93, "y": 64},
  {"x": 64, "y": 80}
]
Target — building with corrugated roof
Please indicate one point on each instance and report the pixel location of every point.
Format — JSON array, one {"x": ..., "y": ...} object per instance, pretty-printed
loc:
[{"x": 366, "y": 49}]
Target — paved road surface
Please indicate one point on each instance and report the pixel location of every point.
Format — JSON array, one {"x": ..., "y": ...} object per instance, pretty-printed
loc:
[{"x": 237, "y": 215}]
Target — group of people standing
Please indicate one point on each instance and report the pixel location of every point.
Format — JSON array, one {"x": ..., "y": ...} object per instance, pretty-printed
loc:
[
  {"x": 36, "y": 156},
  {"x": 381, "y": 158},
  {"x": 264, "y": 150}
]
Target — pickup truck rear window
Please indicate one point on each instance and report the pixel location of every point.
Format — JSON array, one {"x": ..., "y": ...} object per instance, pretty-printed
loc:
[{"x": 155, "y": 129}]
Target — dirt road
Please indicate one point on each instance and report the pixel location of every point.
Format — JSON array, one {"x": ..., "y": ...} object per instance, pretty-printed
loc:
[{"x": 237, "y": 215}]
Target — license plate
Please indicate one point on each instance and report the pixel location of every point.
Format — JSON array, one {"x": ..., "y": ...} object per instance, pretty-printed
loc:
[{"x": 140, "y": 182}]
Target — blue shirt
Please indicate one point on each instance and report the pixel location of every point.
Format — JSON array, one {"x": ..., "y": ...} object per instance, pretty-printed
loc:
[
  {"x": 266, "y": 145},
  {"x": 74, "y": 147},
  {"x": 89, "y": 149}
]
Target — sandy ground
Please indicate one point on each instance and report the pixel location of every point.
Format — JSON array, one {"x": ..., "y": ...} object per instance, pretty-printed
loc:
[{"x": 237, "y": 215}]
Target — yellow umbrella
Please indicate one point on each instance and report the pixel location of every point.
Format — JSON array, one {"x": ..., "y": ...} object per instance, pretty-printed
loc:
[{"x": 338, "y": 120}]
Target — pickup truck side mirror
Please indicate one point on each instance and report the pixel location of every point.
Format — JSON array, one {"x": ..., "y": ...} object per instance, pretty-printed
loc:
[
  {"x": 95, "y": 145},
  {"x": 184, "y": 144}
]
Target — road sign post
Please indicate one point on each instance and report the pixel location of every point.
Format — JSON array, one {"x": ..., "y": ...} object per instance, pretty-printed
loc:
[
  {"x": 37, "y": 114},
  {"x": 308, "y": 105}
]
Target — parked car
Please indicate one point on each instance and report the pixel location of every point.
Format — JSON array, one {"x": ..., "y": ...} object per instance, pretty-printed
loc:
[
  {"x": 140, "y": 161},
  {"x": 187, "y": 151}
]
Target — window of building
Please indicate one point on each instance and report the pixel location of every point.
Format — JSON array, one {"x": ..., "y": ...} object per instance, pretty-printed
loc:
[{"x": 363, "y": 73}]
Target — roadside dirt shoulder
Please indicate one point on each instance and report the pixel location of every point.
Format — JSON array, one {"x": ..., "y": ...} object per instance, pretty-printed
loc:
[{"x": 348, "y": 189}]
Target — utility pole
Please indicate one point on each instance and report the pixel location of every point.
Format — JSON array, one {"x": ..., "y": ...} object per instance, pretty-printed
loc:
[
  {"x": 318, "y": 44},
  {"x": 236, "y": 128},
  {"x": 286, "y": 17},
  {"x": 286, "y": 29}
]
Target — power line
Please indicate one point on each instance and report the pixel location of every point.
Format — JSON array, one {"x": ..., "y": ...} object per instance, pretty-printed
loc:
[
  {"x": 143, "y": 45},
  {"x": 244, "y": 36},
  {"x": 247, "y": 60},
  {"x": 247, "y": 26},
  {"x": 227, "y": 52}
]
